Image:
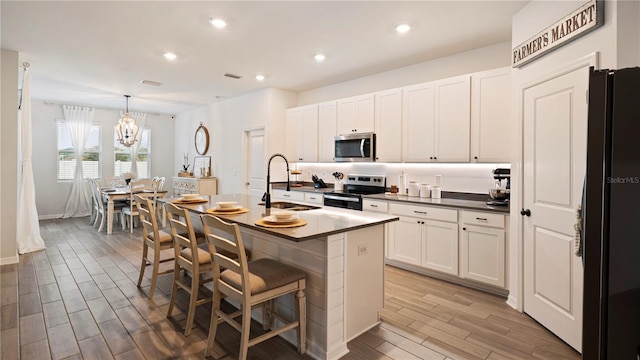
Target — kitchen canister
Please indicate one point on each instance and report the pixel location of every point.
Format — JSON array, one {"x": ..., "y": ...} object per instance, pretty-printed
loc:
[
  {"x": 414, "y": 189},
  {"x": 425, "y": 191},
  {"x": 436, "y": 192}
]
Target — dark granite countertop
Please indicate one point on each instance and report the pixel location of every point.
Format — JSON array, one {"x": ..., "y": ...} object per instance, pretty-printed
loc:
[
  {"x": 321, "y": 222},
  {"x": 470, "y": 201}
]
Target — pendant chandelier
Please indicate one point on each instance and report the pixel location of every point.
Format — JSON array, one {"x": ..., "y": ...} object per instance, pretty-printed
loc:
[{"x": 127, "y": 130}]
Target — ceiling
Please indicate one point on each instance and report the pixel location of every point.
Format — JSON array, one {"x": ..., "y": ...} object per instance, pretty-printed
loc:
[{"x": 94, "y": 52}]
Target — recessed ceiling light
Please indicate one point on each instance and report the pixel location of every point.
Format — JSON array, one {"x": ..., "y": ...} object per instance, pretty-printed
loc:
[
  {"x": 170, "y": 56},
  {"x": 403, "y": 28},
  {"x": 319, "y": 57},
  {"x": 219, "y": 23},
  {"x": 259, "y": 77}
]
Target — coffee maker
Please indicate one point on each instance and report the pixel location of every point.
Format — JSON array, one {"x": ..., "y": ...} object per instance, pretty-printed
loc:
[{"x": 500, "y": 192}]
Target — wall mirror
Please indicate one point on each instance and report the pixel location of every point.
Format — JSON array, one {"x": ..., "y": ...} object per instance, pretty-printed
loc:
[{"x": 202, "y": 140}]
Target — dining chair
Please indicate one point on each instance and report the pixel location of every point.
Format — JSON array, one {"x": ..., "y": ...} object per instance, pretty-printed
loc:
[
  {"x": 145, "y": 188},
  {"x": 154, "y": 238},
  {"x": 188, "y": 257},
  {"x": 253, "y": 283},
  {"x": 101, "y": 206}
]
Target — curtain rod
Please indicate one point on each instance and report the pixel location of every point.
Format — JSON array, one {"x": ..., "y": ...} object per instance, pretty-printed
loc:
[{"x": 46, "y": 102}]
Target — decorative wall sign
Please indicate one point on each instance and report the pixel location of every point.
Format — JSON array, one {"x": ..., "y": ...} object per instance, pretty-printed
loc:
[{"x": 579, "y": 22}]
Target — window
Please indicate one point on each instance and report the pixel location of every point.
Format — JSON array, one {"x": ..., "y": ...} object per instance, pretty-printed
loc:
[
  {"x": 66, "y": 158},
  {"x": 122, "y": 163}
]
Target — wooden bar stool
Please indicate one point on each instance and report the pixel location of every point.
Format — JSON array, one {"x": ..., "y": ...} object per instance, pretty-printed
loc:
[
  {"x": 154, "y": 238},
  {"x": 189, "y": 257},
  {"x": 250, "y": 283}
]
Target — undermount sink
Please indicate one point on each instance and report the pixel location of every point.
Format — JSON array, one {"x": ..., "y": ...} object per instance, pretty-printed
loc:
[{"x": 291, "y": 206}]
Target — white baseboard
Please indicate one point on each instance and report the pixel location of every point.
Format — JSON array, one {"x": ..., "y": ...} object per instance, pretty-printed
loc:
[
  {"x": 50, "y": 217},
  {"x": 9, "y": 260},
  {"x": 512, "y": 301}
]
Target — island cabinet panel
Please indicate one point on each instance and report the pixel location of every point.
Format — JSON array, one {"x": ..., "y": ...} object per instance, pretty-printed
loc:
[{"x": 344, "y": 285}]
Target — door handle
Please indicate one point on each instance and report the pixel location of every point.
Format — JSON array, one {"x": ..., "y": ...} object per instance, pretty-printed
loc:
[{"x": 526, "y": 212}]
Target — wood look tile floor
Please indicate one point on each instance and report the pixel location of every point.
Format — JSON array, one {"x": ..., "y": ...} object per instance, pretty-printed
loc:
[{"x": 78, "y": 300}]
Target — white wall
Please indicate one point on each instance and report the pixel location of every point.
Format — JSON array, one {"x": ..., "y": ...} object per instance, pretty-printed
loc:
[
  {"x": 485, "y": 58},
  {"x": 533, "y": 18},
  {"x": 51, "y": 195},
  {"x": 8, "y": 157},
  {"x": 227, "y": 121}
]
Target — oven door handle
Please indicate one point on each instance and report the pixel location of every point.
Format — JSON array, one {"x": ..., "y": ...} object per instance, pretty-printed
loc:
[{"x": 333, "y": 197}]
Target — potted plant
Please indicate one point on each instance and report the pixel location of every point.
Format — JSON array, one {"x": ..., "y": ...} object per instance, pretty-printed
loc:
[{"x": 185, "y": 167}]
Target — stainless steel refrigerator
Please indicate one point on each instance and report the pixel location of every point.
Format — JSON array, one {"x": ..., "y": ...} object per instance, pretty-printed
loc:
[{"x": 611, "y": 214}]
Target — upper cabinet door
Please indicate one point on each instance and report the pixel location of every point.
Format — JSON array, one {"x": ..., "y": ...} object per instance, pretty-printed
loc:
[
  {"x": 301, "y": 129},
  {"x": 418, "y": 117},
  {"x": 308, "y": 135},
  {"x": 453, "y": 119},
  {"x": 490, "y": 115},
  {"x": 327, "y": 130},
  {"x": 293, "y": 125},
  {"x": 388, "y": 124},
  {"x": 356, "y": 114},
  {"x": 365, "y": 110}
]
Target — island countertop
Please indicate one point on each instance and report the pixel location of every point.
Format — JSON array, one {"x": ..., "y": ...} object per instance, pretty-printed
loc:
[{"x": 320, "y": 222}]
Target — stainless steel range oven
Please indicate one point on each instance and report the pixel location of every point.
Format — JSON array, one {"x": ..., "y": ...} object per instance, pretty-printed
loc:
[{"x": 355, "y": 186}]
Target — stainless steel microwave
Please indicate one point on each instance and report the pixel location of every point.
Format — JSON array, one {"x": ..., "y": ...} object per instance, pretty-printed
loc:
[{"x": 355, "y": 147}]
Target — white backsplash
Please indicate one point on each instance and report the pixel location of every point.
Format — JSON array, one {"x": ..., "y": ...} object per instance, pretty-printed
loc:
[{"x": 470, "y": 178}]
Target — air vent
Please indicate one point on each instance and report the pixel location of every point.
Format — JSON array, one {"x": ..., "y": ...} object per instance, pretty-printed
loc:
[
  {"x": 233, "y": 76},
  {"x": 150, "y": 82}
]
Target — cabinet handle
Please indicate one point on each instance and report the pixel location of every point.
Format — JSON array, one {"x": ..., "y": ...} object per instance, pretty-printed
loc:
[
  {"x": 285, "y": 195},
  {"x": 526, "y": 212},
  {"x": 464, "y": 228},
  {"x": 435, "y": 158},
  {"x": 372, "y": 205},
  {"x": 311, "y": 198},
  {"x": 420, "y": 212},
  {"x": 481, "y": 219},
  {"x": 475, "y": 157},
  {"x": 430, "y": 157}
]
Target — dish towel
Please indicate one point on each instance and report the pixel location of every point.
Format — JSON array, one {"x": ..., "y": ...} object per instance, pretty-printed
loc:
[{"x": 578, "y": 228}]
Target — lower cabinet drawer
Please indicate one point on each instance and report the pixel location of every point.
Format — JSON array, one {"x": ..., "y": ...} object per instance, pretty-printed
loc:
[
  {"x": 424, "y": 212},
  {"x": 314, "y": 198},
  {"x": 287, "y": 195},
  {"x": 374, "y": 205},
  {"x": 482, "y": 219}
]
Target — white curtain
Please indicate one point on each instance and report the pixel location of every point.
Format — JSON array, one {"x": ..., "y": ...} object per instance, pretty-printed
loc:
[
  {"x": 79, "y": 120},
  {"x": 28, "y": 232},
  {"x": 140, "y": 119}
]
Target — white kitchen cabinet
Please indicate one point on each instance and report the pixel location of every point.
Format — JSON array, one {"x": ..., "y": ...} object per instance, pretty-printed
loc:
[
  {"x": 418, "y": 122},
  {"x": 490, "y": 115},
  {"x": 327, "y": 130},
  {"x": 436, "y": 121},
  {"x": 302, "y": 133},
  {"x": 314, "y": 198},
  {"x": 388, "y": 125},
  {"x": 192, "y": 185},
  {"x": 482, "y": 247},
  {"x": 405, "y": 240},
  {"x": 452, "y": 119},
  {"x": 375, "y": 205},
  {"x": 424, "y": 236},
  {"x": 356, "y": 114},
  {"x": 284, "y": 195}
]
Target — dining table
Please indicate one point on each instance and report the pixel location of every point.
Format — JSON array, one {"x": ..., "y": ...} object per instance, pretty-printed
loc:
[{"x": 123, "y": 193}]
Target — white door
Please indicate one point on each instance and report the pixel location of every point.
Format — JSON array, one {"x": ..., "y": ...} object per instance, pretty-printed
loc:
[
  {"x": 555, "y": 134},
  {"x": 255, "y": 163}
]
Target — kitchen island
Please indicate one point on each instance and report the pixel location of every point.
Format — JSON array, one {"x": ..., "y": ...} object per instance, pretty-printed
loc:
[{"x": 342, "y": 253}]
